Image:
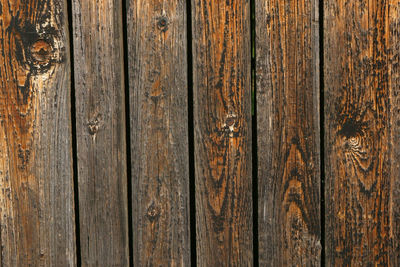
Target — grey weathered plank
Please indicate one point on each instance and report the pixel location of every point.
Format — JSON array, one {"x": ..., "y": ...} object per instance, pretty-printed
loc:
[
  {"x": 100, "y": 131},
  {"x": 287, "y": 61},
  {"x": 36, "y": 177},
  {"x": 222, "y": 125},
  {"x": 159, "y": 132},
  {"x": 362, "y": 85}
]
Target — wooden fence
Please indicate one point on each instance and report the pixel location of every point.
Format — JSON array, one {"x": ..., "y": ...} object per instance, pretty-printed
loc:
[{"x": 202, "y": 132}]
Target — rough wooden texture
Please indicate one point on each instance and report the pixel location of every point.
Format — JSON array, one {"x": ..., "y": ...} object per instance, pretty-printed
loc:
[
  {"x": 361, "y": 96},
  {"x": 159, "y": 132},
  {"x": 287, "y": 50},
  {"x": 100, "y": 126},
  {"x": 222, "y": 120},
  {"x": 36, "y": 199},
  {"x": 394, "y": 122}
]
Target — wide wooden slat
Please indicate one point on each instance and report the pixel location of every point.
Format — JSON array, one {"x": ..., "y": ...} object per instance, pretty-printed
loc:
[
  {"x": 100, "y": 127},
  {"x": 287, "y": 60},
  {"x": 159, "y": 132},
  {"x": 222, "y": 125},
  {"x": 37, "y": 210},
  {"x": 362, "y": 114}
]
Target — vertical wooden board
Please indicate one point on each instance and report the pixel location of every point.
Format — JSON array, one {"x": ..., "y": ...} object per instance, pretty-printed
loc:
[
  {"x": 361, "y": 83},
  {"x": 100, "y": 126},
  {"x": 159, "y": 132},
  {"x": 222, "y": 120},
  {"x": 287, "y": 61},
  {"x": 394, "y": 119},
  {"x": 37, "y": 210}
]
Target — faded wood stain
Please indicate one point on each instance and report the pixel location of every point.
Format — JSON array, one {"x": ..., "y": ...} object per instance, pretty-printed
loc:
[
  {"x": 100, "y": 132},
  {"x": 37, "y": 216},
  {"x": 158, "y": 82},
  {"x": 361, "y": 41}
]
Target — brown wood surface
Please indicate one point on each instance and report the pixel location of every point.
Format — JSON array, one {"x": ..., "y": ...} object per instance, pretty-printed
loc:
[
  {"x": 36, "y": 177},
  {"x": 159, "y": 132},
  {"x": 100, "y": 132},
  {"x": 287, "y": 71},
  {"x": 394, "y": 126},
  {"x": 222, "y": 125},
  {"x": 362, "y": 114}
]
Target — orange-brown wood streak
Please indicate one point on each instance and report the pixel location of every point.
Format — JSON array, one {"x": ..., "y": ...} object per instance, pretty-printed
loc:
[
  {"x": 288, "y": 132},
  {"x": 358, "y": 83},
  {"x": 222, "y": 114},
  {"x": 394, "y": 122},
  {"x": 34, "y": 101}
]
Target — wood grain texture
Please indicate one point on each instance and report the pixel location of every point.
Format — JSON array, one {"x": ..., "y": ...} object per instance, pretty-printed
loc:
[
  {"x": 100, "y": 126},
  {"x": 37, "y": 210},
  {"x": 222, "y": 121},
  {"x": 287, "y": 61},
  {"x": 394, "y": 124},
  {"x": 361, "y": 82},
  {"x": 159, "y": 132}
]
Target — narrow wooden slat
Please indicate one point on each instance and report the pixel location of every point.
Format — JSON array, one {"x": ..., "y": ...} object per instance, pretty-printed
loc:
[
  {"x": 394, "y": 126},
  {"x": 287, "y": 51},
  {"x": 100, "y": 126},
  {"x": 222, "y": 120},
  {"x": 159, "y": 132},
  {"x": 361, "y": 82},
  {"x": 37, "y": 210}
]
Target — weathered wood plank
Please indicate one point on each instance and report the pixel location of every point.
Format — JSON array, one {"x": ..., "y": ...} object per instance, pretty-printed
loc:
[
  {"x": 222, "y": 120},
  {"x": 159, "y": 132},
  {"x": 394, "y": 125},
  {"x": 361, "y": 82},
  {"x": 37, "y": 210},
  {"x": 100, "y": 126},
  {"x": 287, "y": 61}
]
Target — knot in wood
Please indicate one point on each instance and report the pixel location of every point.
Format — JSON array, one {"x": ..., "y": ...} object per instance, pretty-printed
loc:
[
  {"x": 93, "y": 127},
  {"x": 153, "y": 212},
  {"x": 41, "y": 51},
  {"x": 230, "y": 121},
  {"x": 351, "y": 128},
  {"x": 230, "y": 124},
  {"x": 162, "y": 23},
  {"x": 349, "y": 145}
]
